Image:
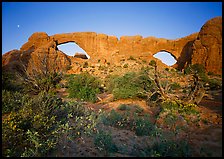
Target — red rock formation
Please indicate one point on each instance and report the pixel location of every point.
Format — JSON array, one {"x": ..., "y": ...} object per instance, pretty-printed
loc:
[
  {"x": 80, "y": 55},
  {"x": 207, "y": 48}
]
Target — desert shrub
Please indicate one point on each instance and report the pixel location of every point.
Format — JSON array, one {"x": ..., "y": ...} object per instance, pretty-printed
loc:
[
  {"x": 84, "y": 86},
  {"x": 197, "y": 68},
  {"x": 84, "y": 119},
  {"x": 210, "y": 73},
  {"x": 179, "y": 107},
  {"x": 138, "y": 109},
  {"x": 175, "y": 86},
  {"x": 167, "y": 69},
  {"x": 123, "y": 107},
  {"x": 33, "y": 130},
  {"x": 12, "y": 101},
  {"x": 184, "y": 91},
  {"x": 130, "y": 85},
  {"x": 144, "y": 61},
  {"x": 170, "y": 148},
  {"x": 112, "y": 118},
  {"x": 131, "y": 58},
  {"x": 103, "y": 141},
  {"x": 10, "y": 82},
  {"x": 174, "y": 111},
  {"x": 152, "y": 63},
  {"x": 41, "y": 82},
  {"x": 214, "y": 84},
  {"x": 142, "y": 126},
  {"x": 125, "y": 65}
]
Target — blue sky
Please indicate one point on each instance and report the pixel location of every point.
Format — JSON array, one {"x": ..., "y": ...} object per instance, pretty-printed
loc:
[{"x": 169, "y": 20}]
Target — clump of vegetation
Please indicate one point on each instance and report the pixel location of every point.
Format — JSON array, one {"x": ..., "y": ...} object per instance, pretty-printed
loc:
[
  {"x": 152, "y": 63},
  {"x": 214, "y": 84},
  {"x": 123, "y": 107},
  {"x": 175, "y": 86},
  {"x": 174, "y": 111},
  {"x": 33, "y": 129},
  {"x": 138, "y": 109},
  {"x": 142, "y": 126},
  {"x": 169, "y": 148},
  {"x": 130, "y": 85},
  {"x": 167, "y": 69},
  {"x": 84, "y": 86},
  {"x": 125, "y": 65},
  {"x": 10, "y": 82},
  {"x": 12, "y": 101},
  {"x": 103, "y": 141},
  {"x": 131, "y": 58},
  {"x": 144, "y": 61}
]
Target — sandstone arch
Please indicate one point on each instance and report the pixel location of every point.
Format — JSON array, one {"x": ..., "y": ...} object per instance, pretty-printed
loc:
[
  {"x": 165, "y": 54},
  {"x": 190, "y": 49}
]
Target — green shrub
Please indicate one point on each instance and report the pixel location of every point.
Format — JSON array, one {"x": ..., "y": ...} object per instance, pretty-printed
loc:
[
  {"x": 214, "y": 84},
  {"x": 123, "y": 107},
  {"x": 144, "y": 61},
  {"x": 138, "y": 109},
  {"x": 152, "y": 63},
  {"x": 184, "y": 91},
  {"x": 34, "y": 129},
  {"x": 169, "y": 148},
  {"x": 12, "y": 101},
  {"x": 175, "y": 86},
  {"x": 131, "y": 58},
  {"x": 10, "y": 82},
  {"x": 125, "y": 65},
  {"x": 129, "y": 85},
  {"x": 197, "y": 68},
  {"x": 42, "y": 82},
  {"x": 210, "y": 73},
  {"x": 167, "y": 69},
  {"x": 103, "y": 141},
  {"x": 84, "y": 86},
  {"x": 112, "y": 118},
  {"x": 143, "y": 126}
]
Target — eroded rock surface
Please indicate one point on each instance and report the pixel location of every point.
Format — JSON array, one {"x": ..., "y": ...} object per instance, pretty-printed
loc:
[
  {"x": 204, "y": 48},
  {"x": 207, "y": 48}
]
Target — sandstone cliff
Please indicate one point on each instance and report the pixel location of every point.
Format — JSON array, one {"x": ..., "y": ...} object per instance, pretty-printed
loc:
[{"x": 207, "y": 48}]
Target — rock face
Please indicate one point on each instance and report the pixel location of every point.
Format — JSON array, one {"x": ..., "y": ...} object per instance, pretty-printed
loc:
[
  {"x": 207, "y": 48},
  {"x": 204, "y": 48},
  {"x": 80, "y": 55}
]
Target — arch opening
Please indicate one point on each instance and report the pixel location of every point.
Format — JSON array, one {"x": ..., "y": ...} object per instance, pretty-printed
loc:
[
  {"x": 72, "y": 49},
  {"x": 166, "y": 57}
]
